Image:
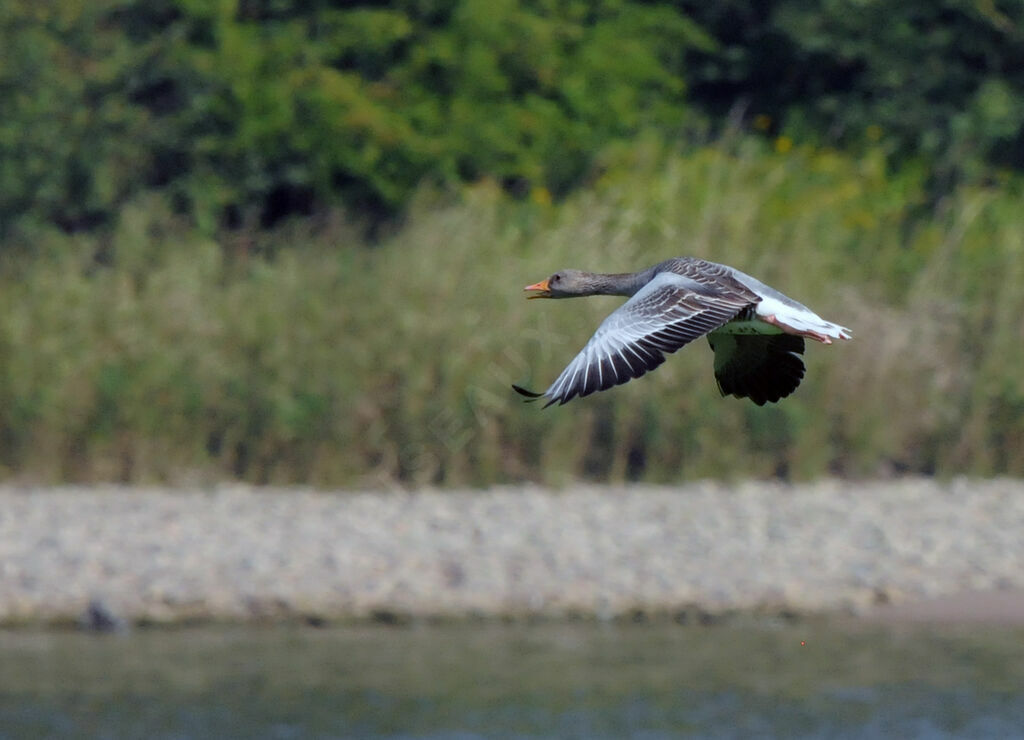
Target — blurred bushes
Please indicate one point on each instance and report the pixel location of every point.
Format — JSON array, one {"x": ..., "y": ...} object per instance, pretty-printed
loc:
[
  {"x": 247, "y": 111},
  {"x": 162, "y": 316},
  {"x": 327, "y": 364},
  {"x": 939, "y": 80}
]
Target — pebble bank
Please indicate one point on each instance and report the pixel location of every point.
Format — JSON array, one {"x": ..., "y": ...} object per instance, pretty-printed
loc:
[{"x": 112, "y": 555}]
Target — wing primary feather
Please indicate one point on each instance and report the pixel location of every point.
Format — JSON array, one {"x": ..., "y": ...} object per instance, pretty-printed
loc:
[
  {"x": 531, "y": 396},
  {"x": 678, "y": 305}
]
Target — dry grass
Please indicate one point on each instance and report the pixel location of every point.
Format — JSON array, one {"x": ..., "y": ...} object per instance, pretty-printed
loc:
[{"x": 336, "y": 363}]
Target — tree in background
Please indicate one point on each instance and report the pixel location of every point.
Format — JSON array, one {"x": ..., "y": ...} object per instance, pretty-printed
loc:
[
  {"x": 942, "y": 80},
  {"x": 243, "y": 112}
]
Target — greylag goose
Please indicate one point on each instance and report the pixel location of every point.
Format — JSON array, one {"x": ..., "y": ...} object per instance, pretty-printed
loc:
[{"x": 756, "y": 332}]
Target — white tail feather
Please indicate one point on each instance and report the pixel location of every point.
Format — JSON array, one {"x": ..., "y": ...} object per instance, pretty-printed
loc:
[{"x": 800, "y": 319}]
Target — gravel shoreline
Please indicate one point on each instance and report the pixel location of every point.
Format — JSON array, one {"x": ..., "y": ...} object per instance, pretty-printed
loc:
[{"x": 235, "y": 552}]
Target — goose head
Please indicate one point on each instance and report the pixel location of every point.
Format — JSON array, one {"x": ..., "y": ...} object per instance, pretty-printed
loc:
[{"x": 564, "y": 284}]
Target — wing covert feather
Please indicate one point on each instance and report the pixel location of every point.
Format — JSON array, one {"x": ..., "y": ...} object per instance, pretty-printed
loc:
[{"x": 665, "y": 315}]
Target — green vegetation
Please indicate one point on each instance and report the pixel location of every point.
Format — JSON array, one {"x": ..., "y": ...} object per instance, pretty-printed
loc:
[
  {"x": 245, "y": 112},
  {"x": 334, "y": 363},
  {"x": 285, "y": 242}
]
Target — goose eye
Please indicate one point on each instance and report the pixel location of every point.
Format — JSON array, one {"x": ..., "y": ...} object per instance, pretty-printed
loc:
[{"x": 556, "y": 277}]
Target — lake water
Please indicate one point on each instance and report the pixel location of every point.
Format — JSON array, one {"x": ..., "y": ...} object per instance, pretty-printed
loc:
[{"x": 477, "y": 680}]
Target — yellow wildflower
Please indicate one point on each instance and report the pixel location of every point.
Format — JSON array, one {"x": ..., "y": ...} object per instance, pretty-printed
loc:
[{"x": 541, "y": 196}]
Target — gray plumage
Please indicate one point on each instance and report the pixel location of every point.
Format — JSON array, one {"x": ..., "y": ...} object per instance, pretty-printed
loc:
[{"x": 756, "y": 332}]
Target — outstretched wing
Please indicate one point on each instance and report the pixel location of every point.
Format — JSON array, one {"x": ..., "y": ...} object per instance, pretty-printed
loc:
[
  {"x": 663, "y": 316},
  {"x": 761, "y": 367}
]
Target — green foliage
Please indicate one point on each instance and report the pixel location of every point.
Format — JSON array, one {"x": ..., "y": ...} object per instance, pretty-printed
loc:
[
  {"x": 938, "y": 79},
  {"x": 158, "y": 312},
  {"x": 332, "y": 365},
  {"x": 69, "y": 138},
  {"x": 249, "y": 112}
]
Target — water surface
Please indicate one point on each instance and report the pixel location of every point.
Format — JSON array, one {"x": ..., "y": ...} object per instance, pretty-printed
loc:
[{"x": 476, "y": 680}]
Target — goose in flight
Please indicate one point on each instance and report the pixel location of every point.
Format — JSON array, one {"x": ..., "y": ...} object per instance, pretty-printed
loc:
[{"x": 756, "y": 332}]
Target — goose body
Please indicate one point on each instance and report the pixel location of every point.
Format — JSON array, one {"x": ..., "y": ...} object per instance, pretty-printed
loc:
[{"x": 756, "y": 332}]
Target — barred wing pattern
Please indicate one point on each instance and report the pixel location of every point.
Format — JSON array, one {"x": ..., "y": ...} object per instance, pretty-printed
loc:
[{"x": 663, "y": 316}]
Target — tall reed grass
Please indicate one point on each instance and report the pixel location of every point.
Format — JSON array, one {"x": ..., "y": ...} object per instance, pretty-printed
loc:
[{"x": 307, "y": 356}]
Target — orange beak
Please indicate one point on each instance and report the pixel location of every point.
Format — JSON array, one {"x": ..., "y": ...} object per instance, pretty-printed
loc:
[{"x": 543, "y": 291}]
